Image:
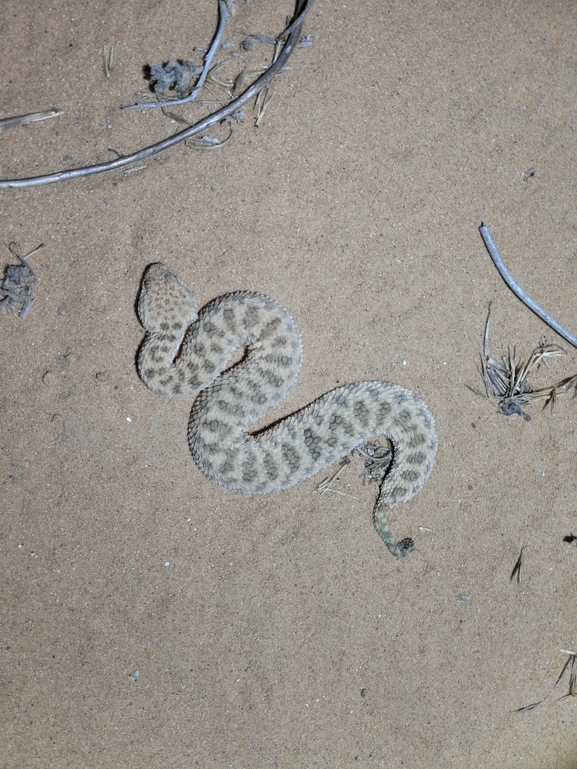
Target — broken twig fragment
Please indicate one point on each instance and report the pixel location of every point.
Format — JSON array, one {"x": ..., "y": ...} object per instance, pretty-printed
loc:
[
  {"x": 518, "y": 291},
  {"x": 32, "y": 117},
  {"x": 107, "y": 59}
]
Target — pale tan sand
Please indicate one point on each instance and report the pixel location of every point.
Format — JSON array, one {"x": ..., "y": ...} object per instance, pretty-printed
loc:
[{"x": 278, "y": 630}]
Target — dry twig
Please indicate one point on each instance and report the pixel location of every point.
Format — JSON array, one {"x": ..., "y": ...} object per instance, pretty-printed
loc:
[
  {"x": 32, "y": 117},
  {"x": 518, "y": 291}
]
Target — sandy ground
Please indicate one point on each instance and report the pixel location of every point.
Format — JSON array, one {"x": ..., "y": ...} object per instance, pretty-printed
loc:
[{"x": 149, "y": 618}]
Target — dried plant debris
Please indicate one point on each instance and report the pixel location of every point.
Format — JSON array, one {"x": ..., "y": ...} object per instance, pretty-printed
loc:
[
  {"x": 288, "y": 39},
  {"x": 517, "y": 568},
  {"x": 208, "y": 142},
  {"x": 182, "y": 80},
  {"x": 378, "y": 458},
  {"x": 31, "y": 117},
  {"x": 16, "y": 285},
  {"x": 571, "y": 665},
  {"x": 526, "y": 708},
  {"x": 507, "y": 380},
  {"x": 178, "y": 76},
  {"x": 107, "y": 59},
  {"x": 327, "y": 484}
]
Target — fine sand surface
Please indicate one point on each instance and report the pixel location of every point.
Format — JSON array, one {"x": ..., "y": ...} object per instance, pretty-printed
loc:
[{"x": 149, "y": 618}]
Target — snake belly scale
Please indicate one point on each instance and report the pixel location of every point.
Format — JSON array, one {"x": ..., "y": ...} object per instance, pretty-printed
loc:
[{"x": 186, "y": 354}]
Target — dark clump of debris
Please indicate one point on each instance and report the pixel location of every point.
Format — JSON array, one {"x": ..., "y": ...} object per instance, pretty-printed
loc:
[
  {"x": 177, "y": 75},
  {"x": 16, "y": 285}
]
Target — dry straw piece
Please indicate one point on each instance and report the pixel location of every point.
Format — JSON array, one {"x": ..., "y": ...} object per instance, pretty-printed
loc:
[{"x": 507, "y": 380}]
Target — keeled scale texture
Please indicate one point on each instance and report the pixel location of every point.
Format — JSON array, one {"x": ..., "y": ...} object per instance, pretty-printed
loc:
[{"x": 184, "y": 355}]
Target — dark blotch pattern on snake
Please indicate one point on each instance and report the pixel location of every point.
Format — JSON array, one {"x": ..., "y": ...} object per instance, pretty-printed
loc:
[{"x": 185, "y": 354}]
